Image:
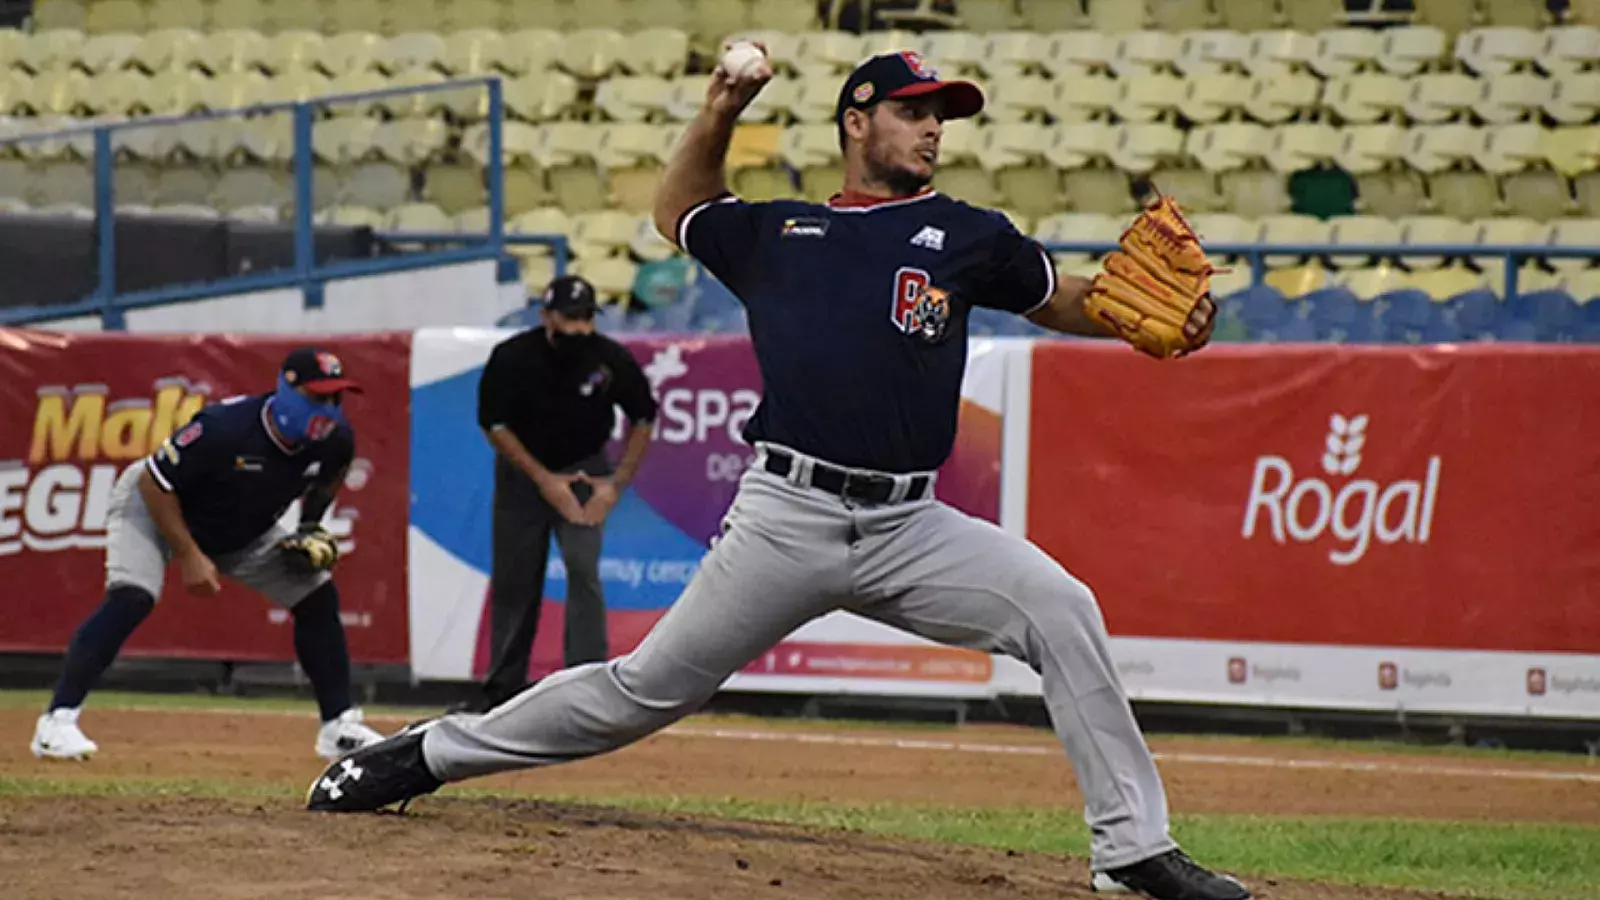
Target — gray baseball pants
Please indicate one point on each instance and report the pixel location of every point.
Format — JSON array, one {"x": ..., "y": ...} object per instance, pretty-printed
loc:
[
  {"x": 788, "y": 554},
  {"x": 137, "y": 555}
]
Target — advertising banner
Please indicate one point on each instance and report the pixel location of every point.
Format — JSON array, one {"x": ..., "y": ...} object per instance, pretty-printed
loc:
[
  {"x": 707, "y": 388},
  {"x": 1391, "y": 527},
  {"x": 77, "y": 410}
]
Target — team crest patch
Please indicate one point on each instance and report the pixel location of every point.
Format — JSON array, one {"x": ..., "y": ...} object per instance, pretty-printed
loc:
[
  {"x": 863, "y": 92},
  {"x": 920, "y": 309},
  {"x": 189, "y": 434},
  {"x": 919, "y": 66},
  {"x": 330, "y": 365}
]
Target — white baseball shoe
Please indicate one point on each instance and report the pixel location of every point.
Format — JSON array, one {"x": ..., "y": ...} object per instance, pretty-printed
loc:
[
  {"x": 345, "y": 735},
  {"x": 57, "y": 736}
]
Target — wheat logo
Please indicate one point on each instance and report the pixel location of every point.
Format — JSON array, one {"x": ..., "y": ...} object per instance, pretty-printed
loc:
[
  {"x": 1355, "y": 512},
  {"x": 1345, "y": 438}
]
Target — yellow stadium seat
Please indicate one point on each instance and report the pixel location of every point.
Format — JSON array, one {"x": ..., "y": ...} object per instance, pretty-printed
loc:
[
  {"x": 969, "y": 183},
  {"x": 410, "y": 50},
  {"x": 802, "y": 146},
  {"x": 473, "y": 15},
  {"x": 118, "y": 93},
  {"x": 1365, "y": 97},
  {"x": 839, "y": 50},
  {"x": 1583, "y": 12},
  {"x": 1272, "y": 52},
  {"x": 1248, "y": 15},
  {"x": 1085, "y": 97},
  {"x": 1074, "y": 53},
  {"x": 292, "y": 51},
  {"x": 297, "y": 16},
  {"x": 14, "y": 89},
  {"x": 1434, "y": 231},
  {"x": 567, "y": 143},
  {"x": 1115, "y": 16},
  {"x": 253, "y": 186},
  {"x": 633, "y": 189},
  {"x": 416, "y": 103},
  {"x": 1574, "y": 97},
  {"x": 814, "y": 98},
  {"x": 380, "y": 185},
  {"x": 1434, "y": 148},
  {"x": 1442, "y": 284},
  {"x": 647, "y": 243},
  {"x": 1573, "y": 151},
  {"x": 1441, "y": 96},
  {"x": 1409, "y": 49},
  {"x": 1538, "y": 193},
  {"x": 355, "y": 15},
  {"x": 548, "y": 221},
  {"x": 473, "y": 220},
  {"x": 1343, "y": 51},
  {"x": 1015, "y": 51},
  {"x": 1194, "y": 188},
  {"x": 1282, "y": 96},
  {"x": 956, "y": 52},
  {"x": 1180, "y": 15},
  {"x": 783, "y": 15},
  {"x": 262, "y": 214},
  {"x": 1076, "y": 228},
  {"x": 531, "y": 51},
  {"x": 455, "y": 187},
  {"x": 170, "y": 48},
  {"x": 56, "y": 14},
  {"x": 661, "y": 52},
  {"x": 1498, "y": 51},
  {"x": 116, "y": 17},
  {"x": 1296, "y": 281},
  {"x": 46, "y": 50},
  {"x": 417, "y": 217},
  {"x": 612, "y": 276},
  {"x": 633, "y": 98},
  {"x": 1368, "y": 282},
  {"x": 185, "y": 184},
  {"x": 1512, "y": 148},
  {"x": 520, "y": 14},
  {"x": 411, "y": 140},
  {"x": 783, "y": 48},
  {"x": 649, "y": 14},
  {"x": 1570, "y": 48},
  {"x": 579, "y": 16},
  {"x": 1213, "y": 96},
  {"x": 540, "y": 96},
  {"x": 1142, "y": 146},
  {"x": 1014, "y": 98},
  {"x": 101, "y": 52},
  {"x": 1293, "y": 229},
  {"x": 524, "y": 187},
  {"x": 60, "y": 92},
  {"x": 712, "y": 21},
  {"x": 1211, "y": 51},
  {"x": 1464, "y": 193},
  {"x": 601, "y": 233},
  {"x": 349, "y": 52},
  {"x": 297, "y": 86},
  {"x": 1147, "y": 96},
  {"x": 238, "y": 50},
  {"x": 233, "y": 90},
  {"x": 1255, "y": 192},
  {"x": 231, "y": 14},
  {"x": 344, "y": 140},
  {"x": 1301, "y": 145},
  {"x": 473, "y": 52},
  {"x": 1218, "y": 228},
  {"x": 1513, "y": 97},
  {"x": 1001, "y": 15},
  {"x": 1369, "y": 148},
  {"x": 1074, "y": 145},
  {"x": 1139, "y": 51},
  {"x": 630, "y": 144}
]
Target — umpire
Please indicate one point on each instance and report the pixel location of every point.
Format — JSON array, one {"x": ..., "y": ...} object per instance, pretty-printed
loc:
[{"x": 547, "y": 403}]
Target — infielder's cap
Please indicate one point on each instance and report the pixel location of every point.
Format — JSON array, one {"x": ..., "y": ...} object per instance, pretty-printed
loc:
[
  {"x": 571, "y": 296},
  {"x": 318, "y": 371},
  {"x": 900, "y": 75}
]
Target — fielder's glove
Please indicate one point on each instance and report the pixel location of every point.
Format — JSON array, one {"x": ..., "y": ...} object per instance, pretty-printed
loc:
[
  {"x": 314, "y": 547},
  {"x": 1154, "y": 282}
]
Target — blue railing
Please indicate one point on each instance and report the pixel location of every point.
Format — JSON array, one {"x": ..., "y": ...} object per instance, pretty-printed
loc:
[{"x": 304, "y": 273}]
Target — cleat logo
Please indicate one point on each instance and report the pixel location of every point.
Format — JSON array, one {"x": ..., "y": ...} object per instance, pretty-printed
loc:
[{"x": 333, "y": 785}]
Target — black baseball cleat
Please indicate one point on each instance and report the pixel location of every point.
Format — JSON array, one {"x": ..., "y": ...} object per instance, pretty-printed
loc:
[
  {"x": 1169, "y": 876},
  {"x": 378, "y": 775}
]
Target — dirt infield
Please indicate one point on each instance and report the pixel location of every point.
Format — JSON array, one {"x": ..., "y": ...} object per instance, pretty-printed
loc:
[{"x": 450, "y": 846}]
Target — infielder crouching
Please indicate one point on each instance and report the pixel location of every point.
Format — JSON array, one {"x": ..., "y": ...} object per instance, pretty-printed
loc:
[
  {"x": 210, "y": 498},
  {"x": 857, "y": 313}
]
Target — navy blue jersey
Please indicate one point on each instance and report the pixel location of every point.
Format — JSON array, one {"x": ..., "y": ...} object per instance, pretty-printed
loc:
[
  {"x": 233, "y": 478},
  {"x": 858, "y": 315}
]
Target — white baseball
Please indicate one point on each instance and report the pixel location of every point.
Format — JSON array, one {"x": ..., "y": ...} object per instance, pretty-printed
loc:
[{"x": 742, "y": 59}]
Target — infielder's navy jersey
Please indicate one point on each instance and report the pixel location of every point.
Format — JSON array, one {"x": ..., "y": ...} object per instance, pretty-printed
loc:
[
  {"x": 233, "y": 478},
  {"x": 862, "y": 362}
]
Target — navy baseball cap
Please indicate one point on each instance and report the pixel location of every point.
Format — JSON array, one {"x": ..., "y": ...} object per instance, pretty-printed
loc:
[
  {"x": 905, "y": 74},
  {"x": 571, "y": 296},
  {"x": 318, "y": 371}
]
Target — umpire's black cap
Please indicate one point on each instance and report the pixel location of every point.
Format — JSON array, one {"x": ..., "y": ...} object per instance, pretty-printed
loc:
[
  {"x": 905, "y": 74},
  {"x": 571, "y": 296}
]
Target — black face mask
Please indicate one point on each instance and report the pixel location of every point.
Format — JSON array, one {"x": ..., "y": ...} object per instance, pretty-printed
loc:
[{"x": 568, "y": 347}]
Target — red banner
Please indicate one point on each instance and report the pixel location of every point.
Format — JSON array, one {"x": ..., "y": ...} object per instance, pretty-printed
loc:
[
  {"x": 77, "y": 410},
  {"x": 1395, "y": 497}
]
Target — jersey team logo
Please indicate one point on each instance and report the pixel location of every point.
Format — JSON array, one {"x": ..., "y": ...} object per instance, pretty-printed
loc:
[{"x": 919, "y": 308}]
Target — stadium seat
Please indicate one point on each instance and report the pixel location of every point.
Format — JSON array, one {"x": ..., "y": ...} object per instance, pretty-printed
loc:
[
  {"x": 1498, "y": 51},
  {"x": 1213, "y": 96},
  {"x": 969, "y": 183},
  {"x": 1141, "y": 147},
  {"x": 1465, "y": 192},
  {"x": 662, "y": 52},
  {"x": 1441, "y": 96},
  {"x": 1513, "y": 97},
  {"x": 1077, "y": 228},
  {"x": 1373, "y": 281},
  {"x": 1365, "y": 97},
  {"x": 781, "y": 15},
  {"x": 812, "y": 145},
  {"x": 1116, "y": 16},
  {"x": 1263, "y": 307},
  {"x": 1512, "y": 148},
  {"x": 593, "y": 14},
  {"x": 1435, "y": 148},
  {"x": 237, "y": 50},
  {"x": 1255, "y": 192},
  {"x": 1282, "y": 96},
  {"x": 1409, "y": 49},
  {"x": 1433, "y": 231},
  {"x": 241, "y": 187},
  {"x": 1301, "y": 145},
  {"x": 185, "y": 184},
  {"x": 612, "y": 276},
  {"x": 1074, "y": 53},
  {"x": 100, "y": 53},
  {"x": 411, "y": 49},
  {"x": 1015, "y": 51},
  {"x": 1293, "y": 229},
  {"x": 115, "y": 17},
  {"x": 229, "y": 14},
  {"x": 1085, "y": 97},
  {"x": 540, "y": 96},
  {"x": 292, "y": 51},
  {"x": 350, "y": 52},
  {"x": 1274, "y": 52},
  {"x": 1538, "y": 193},
  {"x": 472, "y": 52},
  {"x": 1226, "y": 146},
  {"x": 1574, "y": 233},
  {"x": 712, "y": 20},
  {"x": 1146, "y": 96},
  {"x": 417, "y": 217},
  {"x": 170, "y": 48},
  {"x": 357, "y": 15},
  {"x": 1001, "y": 15},
  {"x": 290, "y": 16},
  {"x": 53, "y": 49},
  {"x": 1552, "y": 313},
  {"x": 632, "y": 98},
  {"x": 814, "y": 97},
  {"x": 647, "y": 243},
  {"x": 59, "y": 92},
  {"x": 1225, "y": 228},
  {"x": 1345, "y": 51},
  {"x": 1210, "y": 51},
  {"x": 956, "y": 53},
  {"x": 590, "y": 53},
  {"x": 1573, "y": 97},
  {"x": 55, "y": 14},
  {"x": 1362, "y": 230},
  {"x": 1569, "y": 48},
  {"x": 1449, "y": 281},
  {"x": 1016, "y": 97},
  {"x": 601, "y": 233},
  {"x": 531, "y": 51},
  {"x": 1141, "y": 51}
]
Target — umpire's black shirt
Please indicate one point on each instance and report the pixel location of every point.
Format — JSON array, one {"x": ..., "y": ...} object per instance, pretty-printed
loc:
[{"x": 560, "y": 402}]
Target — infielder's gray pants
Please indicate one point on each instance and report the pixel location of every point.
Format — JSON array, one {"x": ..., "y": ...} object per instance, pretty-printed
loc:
[
  {"x": 523, "y": 523},
  {"x": 137, "y": 555},
  {"x": 789, "y": 554}
]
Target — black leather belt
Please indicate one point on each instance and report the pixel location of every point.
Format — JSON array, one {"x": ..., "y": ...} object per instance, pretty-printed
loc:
[{"x": 867, "y": 488}]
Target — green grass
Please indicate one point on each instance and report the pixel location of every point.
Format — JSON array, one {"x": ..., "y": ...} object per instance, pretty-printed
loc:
[{"x": 1503, "y": 861}]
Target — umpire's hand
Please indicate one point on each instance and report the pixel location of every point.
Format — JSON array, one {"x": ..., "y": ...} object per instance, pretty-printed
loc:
[{"x": 557, "y": 491}]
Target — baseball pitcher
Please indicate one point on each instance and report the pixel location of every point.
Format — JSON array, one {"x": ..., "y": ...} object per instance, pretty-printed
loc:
[{"x": 858, "y": 315}]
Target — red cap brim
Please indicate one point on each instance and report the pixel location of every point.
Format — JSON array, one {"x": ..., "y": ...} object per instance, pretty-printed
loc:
[
  {"x": 324, "y": 386},
  {"x": 963, "y": 99}
]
